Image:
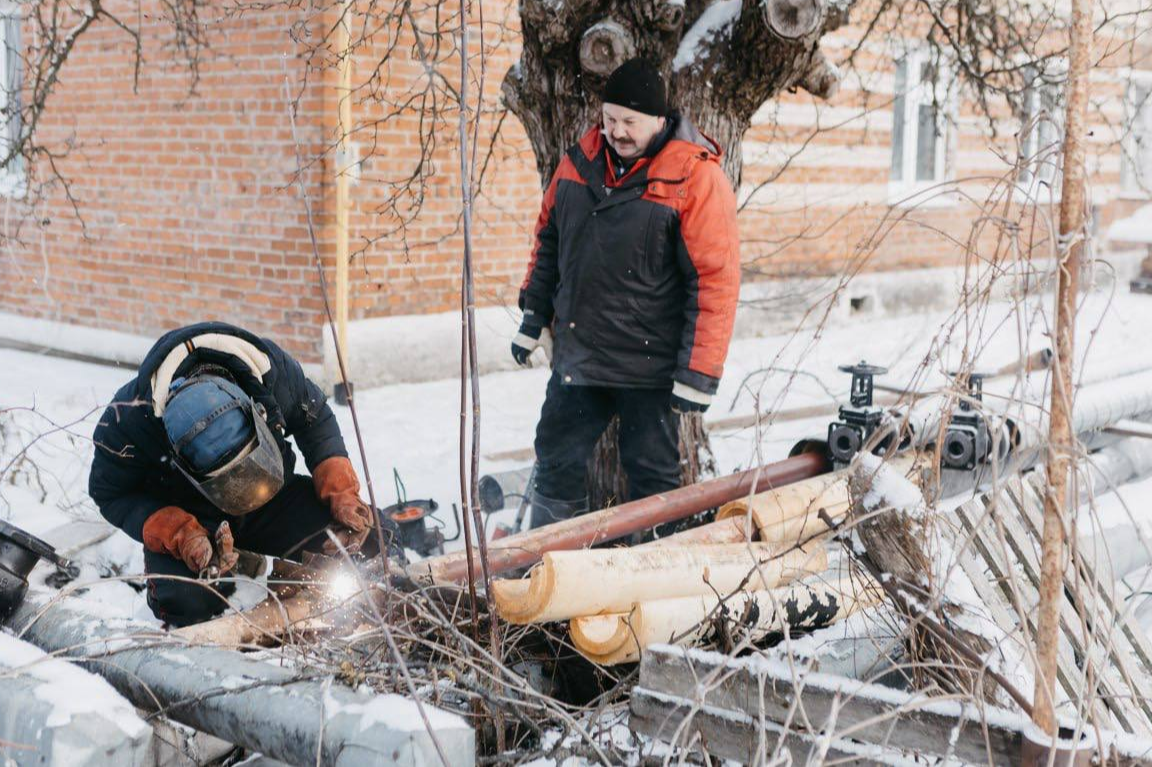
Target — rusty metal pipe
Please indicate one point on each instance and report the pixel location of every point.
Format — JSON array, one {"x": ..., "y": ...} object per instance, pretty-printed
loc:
[{"x": 525, "y": 549}]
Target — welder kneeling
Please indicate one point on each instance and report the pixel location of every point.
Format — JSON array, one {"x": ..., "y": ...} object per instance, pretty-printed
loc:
[{"x": 192, "y": 458}]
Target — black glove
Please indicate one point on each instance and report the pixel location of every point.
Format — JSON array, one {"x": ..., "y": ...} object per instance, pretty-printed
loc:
[
  {"x": 532, "y": 335},
  {"x": 687, "y": 399}
]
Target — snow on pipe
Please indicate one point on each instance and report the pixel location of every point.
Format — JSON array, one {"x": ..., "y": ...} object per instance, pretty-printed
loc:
[
  {"x": 55, "y": 713},
  {"x": 1096, "y": 407},
  {"x": 800, "y": 512},
  {"x": 1126, "y": 460},
  {"x": 568, "y": 584},
  {"x": 253, "y": 704},
  {"x": 621, "y": 637},
  {"x": 1117, "y": 551}
]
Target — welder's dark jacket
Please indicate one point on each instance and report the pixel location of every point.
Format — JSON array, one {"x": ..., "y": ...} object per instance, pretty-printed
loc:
[
  {"x": 640, "y": 274},
  {"x": 132, "y": 472}
]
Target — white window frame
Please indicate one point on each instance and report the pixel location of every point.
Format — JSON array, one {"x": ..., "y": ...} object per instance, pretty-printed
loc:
[
  {"x": 13, "y": 179},
  {"x": 918, "y": 92},
  {"x": 1136, "y": 183},
  {"x": 1041, "y": 141}
]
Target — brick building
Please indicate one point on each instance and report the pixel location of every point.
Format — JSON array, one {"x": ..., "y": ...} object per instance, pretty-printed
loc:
[{"x": 180, "y": 203}]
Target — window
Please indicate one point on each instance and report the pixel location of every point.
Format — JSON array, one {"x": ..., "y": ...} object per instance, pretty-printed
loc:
[
  {"x": 919, "y": 124},
  {"x": 1042, "y": 135},
  {"x": 11, "y": 78},
  {"x": 1136, "y": 167}
]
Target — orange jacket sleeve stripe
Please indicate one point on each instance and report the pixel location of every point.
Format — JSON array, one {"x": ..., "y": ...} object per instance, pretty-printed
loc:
[{"x": 711, "y": 259}]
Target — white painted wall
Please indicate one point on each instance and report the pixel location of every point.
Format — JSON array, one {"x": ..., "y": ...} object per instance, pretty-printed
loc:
[{"x": 416, "y": 348}]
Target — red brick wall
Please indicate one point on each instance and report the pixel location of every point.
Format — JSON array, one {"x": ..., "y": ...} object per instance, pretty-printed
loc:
[
  {"x": 184, "y": 215},
  {"x": 190, "y": 214}
]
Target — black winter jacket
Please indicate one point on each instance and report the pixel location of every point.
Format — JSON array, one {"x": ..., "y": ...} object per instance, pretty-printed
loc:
[
  {"x": 638, "y": 275},
  {"x": 132, "y": 472}
]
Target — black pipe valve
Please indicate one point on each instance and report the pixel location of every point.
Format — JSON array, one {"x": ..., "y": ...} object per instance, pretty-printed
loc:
[
  {"x": 19, "y": 553},
  {"x": 860, "y": 419},
  {"x": 967, "y": 441}
]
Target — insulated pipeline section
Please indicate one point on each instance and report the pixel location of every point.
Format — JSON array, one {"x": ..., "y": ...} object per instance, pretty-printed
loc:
[{"x": 517, "y": 551}]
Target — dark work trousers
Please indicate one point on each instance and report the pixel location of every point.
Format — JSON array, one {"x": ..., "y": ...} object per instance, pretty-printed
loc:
[
  {"x": 287, "y": 523},
  {"x": 574, "y": 417}
]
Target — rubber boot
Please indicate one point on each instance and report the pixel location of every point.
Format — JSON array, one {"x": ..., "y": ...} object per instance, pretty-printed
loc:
[{"x": 547, "y": 510}]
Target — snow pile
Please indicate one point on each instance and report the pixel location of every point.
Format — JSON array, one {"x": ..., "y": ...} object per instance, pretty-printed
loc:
[
  {"x": 393, "y": 711},
  {"x": 412, "y": 427},
  {"x": 888, "y": 487},
  {"x": 1135, "y": 228}
]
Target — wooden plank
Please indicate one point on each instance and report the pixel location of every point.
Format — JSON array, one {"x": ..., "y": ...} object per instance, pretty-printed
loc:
[
  {"x": 745, "y": 736},
  {"x": 1017, "y": 591},
  {"x": 1018, "y": 513},
  {"x": 725, "y": 734},
  {"x": 1118, "y": 668},
  {"x": 852, "y": 709},
  {"x": 1135, "y": 634},
  {"x": 1001, "y": 536},
  {"x": 1011, "y": 509},
  {"x": 1000, "y": 610}
]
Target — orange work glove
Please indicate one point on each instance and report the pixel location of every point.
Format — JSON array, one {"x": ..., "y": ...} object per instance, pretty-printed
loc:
[
  {"x": 337, "y": 485},
  {"x": 171, "y": 530}
]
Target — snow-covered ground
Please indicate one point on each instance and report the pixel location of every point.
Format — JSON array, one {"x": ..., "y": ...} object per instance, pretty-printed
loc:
[
  {"x": 51, "y": 406},
  {"x": 48, "y": 408}
]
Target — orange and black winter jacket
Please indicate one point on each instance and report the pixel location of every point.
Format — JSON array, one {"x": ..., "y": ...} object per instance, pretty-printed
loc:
[{"x": 639, "y": 276}]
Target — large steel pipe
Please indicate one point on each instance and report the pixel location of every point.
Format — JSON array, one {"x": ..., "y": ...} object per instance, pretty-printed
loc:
[
  {"x": 1117, "y": 552},
  {"x": 517, "y": 551},
  {"x": 281, "y": 713},
  {"x": 1096, "y": 407},
  {"x": 55, "y": 714}
]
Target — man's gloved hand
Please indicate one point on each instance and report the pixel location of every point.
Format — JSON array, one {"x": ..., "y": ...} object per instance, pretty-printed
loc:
[
  {"x": 688, "y": 399},
  {"x": 171, "y": 530},
  {"x": 226, "y": 555},
  {"x": 337, "y": 485},
  {"x": 533, "y": 335}
]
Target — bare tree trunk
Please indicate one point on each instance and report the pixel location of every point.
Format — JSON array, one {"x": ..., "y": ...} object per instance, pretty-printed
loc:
[
  {"x": 607, "y": 485},
  {"x": 719, "y": 79},
  {"x": 1061, "y": 441}
]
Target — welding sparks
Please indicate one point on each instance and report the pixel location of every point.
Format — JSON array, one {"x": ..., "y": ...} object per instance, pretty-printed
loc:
[{"x": 343, "y": 586}]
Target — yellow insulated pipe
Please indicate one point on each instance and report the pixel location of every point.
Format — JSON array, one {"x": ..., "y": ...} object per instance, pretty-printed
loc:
[
  {"x": 568, "y": 584},
  {"x": 732, "y": 529},
  {"x": 777, "y": 512},
  {"x": 791, "y": 514},
  {"x": 622, "y": 637}
]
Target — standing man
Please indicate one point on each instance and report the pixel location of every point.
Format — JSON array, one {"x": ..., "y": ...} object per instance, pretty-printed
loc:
[
  {"x": 635, "y": 275},
  {"x": 192, "y": 457}
]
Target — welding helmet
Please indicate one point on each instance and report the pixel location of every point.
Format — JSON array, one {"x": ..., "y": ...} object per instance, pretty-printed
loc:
[{"x": 222, "y": 444}]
